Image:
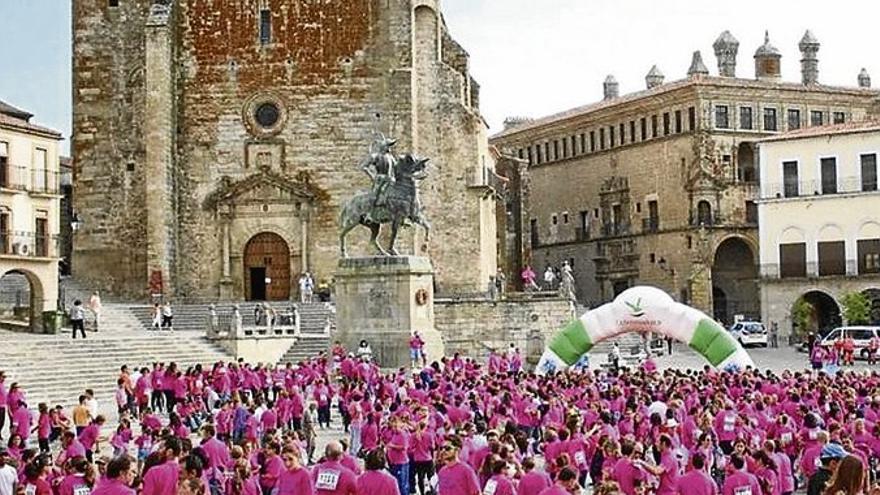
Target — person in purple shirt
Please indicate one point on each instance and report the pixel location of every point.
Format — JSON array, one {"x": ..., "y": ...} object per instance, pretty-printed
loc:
[
  {"x": 455, "y": 477},
  {"x": 375, "y": 480},
  {"x": 295, "y": 479},
  {"x": 162, "y": 479},
  {"x": 332, "y": 478},
  {"x": 89, "y": 436},
  {"x": 533, "y": 481},
  {"x": 696, "y": 481},
  {"x": 739, "y": 481},
  {"x": 3, "y": 395},
  {"x": 70, "y": 448}
]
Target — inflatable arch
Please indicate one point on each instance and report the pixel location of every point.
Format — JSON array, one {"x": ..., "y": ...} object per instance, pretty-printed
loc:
[{"x": 644, "y": 309}]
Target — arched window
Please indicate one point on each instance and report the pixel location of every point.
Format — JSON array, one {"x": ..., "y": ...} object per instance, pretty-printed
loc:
[{"x": 704, "y": 213}]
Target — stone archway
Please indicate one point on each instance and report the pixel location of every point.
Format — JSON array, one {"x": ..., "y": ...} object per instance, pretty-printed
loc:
[
  {"x": 825, "y": 312},
  {"x": 21, "y": 300},
  {"x": 735, "y": 275},
  {"x": 267, "y": 268}
]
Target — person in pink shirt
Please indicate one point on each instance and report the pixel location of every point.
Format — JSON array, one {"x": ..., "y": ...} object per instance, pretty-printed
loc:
[
  {"x": 738, "y": 481},
  {"x": 422, "y": 452},
  {"x": 271, "y": 466},
  {"x": 295, "y": 479},
  {"x": 455, "y": 477},
  {"x": 75, "y": 483},
  {"x": 501, "y": 481},
  {"x": 89, "y": 436},
  {"x": 332, "y": 478},
  {"x": 566, "y": 483},
  {"x": 22, "y": 421},
  {"x": 217, "y": 453},
  {"x": 696, "y": 481},
  {"x": 397, "y": 445},
  {"x": 118, "y": 478},
  {"x": 70, "y": 448},
  {"x": 162, "y": 479},
  {"x": 533, "y": 481},
  {"x": 3, "y": 401},
  {"x": 44, "y": 428},
  {"x": 375, "y": 480}
]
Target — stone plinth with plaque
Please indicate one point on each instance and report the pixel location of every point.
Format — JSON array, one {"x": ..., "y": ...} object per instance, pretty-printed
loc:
[{"x": 383, "y": 299}]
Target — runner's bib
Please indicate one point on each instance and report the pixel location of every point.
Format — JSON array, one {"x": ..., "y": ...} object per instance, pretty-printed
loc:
[
  {"x": 327, "y": 480},
  {"x": 491, "y": 486},
  {"x": 785, "y": 438},
  {"x": 30, "y": 489},
  {"x": 579, "y": 458},
  {"x": 742, "y": 490},
  {"x": 729, "y": 423},
  {"x": 82, "y": 490}
]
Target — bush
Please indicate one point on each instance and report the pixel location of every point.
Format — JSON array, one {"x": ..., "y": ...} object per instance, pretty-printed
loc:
[
  {"x": 856, "y": 308},
  {"x": 801, "y": 316}
]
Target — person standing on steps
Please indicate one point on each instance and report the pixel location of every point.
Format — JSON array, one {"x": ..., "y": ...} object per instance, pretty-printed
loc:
[
  {"x": 167, "y": 316},
  {"x": 3, "y": 402},
  {"x": 77, "y": 319},
  {"x": 157, "y": 316},
  {"x": 95, "y": 307}
]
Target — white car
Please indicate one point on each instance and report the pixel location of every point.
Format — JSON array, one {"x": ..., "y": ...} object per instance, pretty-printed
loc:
[{"x": 749, "y": 333}]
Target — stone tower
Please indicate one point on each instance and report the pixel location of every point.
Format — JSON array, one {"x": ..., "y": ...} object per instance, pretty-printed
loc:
[
  {"x": 697, "y": 68},
  {"x": 864, "y": 79},
  {"x": 217, "y": 169},
  {"x": 611, "y": 88},
  {"x": 726, "y": 48},
  {"x": 809, "y": 47},
  {"x": 654, "y": 78},
  {"x": 768, "y": 61}
]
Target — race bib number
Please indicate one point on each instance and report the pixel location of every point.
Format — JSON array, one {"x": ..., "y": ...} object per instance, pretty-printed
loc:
[
  {"x": 812, "y": 434},
  {"x": 30, "y": 489},
  {"x": 785, "y": 438},
  {"x": 327, "y": 480},
  {"x": 579, "y": 458},
  {"x": 729, "y": 423},
  {"x": 491, "y": 486},
  {"x": 742, "y": 490},
  {"x": 81, "y": 490},
  {"x": 323, "y": 398}
]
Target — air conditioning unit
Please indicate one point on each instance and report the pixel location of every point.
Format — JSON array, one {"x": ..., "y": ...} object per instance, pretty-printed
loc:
[{"x": 21, "y": 248}]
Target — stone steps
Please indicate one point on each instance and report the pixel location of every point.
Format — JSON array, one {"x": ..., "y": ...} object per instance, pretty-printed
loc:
[
  {"x": 55, "y": 369},
  {"x": 305, "y": 348}
]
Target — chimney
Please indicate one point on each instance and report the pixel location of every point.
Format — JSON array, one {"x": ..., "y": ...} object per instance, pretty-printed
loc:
[
  {"x": 768, "y": 61},
  {"x": 726, "y": 48},
  {"x": 809, "y": 46},
  {"x": 654, "y": 78},
  {"x": 698, "y": 68},
  {"x": 864, "y": 79},
  {"x": 612, "y": 89}
]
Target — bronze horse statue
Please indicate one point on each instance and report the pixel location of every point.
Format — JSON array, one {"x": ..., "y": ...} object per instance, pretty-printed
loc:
[{"x": 400, "y": 206}]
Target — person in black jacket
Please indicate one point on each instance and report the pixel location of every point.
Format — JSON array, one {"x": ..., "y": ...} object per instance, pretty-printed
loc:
[{"x": 830, "y": 456}]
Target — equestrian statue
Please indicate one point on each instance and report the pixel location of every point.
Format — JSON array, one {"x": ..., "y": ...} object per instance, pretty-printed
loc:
[{"x": 392, "y": 199}]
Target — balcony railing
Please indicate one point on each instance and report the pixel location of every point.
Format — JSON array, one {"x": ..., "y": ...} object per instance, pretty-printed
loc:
[
  {"x": 810, "y": 269},
  {"x": 13, "y": 177},
  {"x": 582, "y": 234},
  {"x": 651, "y": 224},
  {"x": 45, "y": 181},
  {"x": 615, "y": 229},
  {"x": 29, "y": 244},
  {"x": 706, "y": 220},
  {"x": 806, "y": 188}
]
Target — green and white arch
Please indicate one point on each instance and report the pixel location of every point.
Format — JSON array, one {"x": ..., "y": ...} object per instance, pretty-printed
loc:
[{"x": 644, "y": 309}]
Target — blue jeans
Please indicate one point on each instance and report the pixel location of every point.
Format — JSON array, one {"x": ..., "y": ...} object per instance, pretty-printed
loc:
[{"x": 401, "y": 474}]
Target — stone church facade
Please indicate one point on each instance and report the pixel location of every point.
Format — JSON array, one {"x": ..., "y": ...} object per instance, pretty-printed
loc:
[
  {"x": 659, "y": 186},
  {"x": 216, "y": 141}
]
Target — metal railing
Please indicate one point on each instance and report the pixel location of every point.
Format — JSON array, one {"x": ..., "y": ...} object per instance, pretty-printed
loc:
[
  {"x": 44, "y": 181},
  {"x": 582, "y": 234},
  {"x": 651, "y": 224},
  {"x": 29, "y": 244},
  {"x": 806, "y": 188},
  {"x": 13, "y": 177},
  {"x": 615, "y": 229}
]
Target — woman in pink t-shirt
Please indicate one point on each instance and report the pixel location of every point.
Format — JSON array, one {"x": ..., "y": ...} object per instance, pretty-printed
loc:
[{"x": 376, "y": 480}]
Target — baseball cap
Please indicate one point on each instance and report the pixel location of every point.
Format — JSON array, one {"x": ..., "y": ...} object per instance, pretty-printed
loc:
[{"x": 833, "y": 451}]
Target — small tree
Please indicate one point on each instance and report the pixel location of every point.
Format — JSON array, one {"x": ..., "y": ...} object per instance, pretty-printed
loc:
[
  {"x": 856, "y": 308},
  {"x": 801, "y": 314}
]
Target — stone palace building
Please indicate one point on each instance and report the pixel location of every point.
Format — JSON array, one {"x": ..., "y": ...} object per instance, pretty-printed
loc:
[
  {"x": 660, "y": 186},
  {"x": 215, "y": 141}
]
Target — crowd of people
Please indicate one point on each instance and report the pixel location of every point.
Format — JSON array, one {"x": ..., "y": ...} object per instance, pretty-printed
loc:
[{"x": 454, "y": 427}]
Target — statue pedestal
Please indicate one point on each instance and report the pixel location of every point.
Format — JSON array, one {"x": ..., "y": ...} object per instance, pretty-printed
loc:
[{"x": 383, "y": 300}]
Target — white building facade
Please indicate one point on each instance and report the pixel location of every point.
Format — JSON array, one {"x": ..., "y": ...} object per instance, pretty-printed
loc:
[
  {"x": 29, "y": 219},
  {"x": 819, "y": 221}
]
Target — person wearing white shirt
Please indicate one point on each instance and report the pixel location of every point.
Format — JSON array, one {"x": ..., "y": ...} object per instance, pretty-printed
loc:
[{"x": 8, "y": 474}]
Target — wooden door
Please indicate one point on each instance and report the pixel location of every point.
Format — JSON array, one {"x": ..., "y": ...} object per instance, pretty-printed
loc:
[{"x": 270, "y": 252}]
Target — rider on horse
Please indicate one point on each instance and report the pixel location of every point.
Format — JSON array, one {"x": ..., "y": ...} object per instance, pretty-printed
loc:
[{"x": 381, "y": 167}]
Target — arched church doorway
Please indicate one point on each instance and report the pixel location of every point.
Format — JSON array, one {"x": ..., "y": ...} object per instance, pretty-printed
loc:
[
  {"x": 735, "y": 280},
  {"x": 267, "y": 268}
]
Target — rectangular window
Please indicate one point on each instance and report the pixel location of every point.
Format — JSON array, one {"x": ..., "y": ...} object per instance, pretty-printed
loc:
[
  {"x": 644, "y": 128},
  {"x": 622, "y": 134},
  {"x": 573, "y": 145},
  {"x": 816, "y": 118},
  {"x": 655, "y": 128},
  {"x": 539, "y": 154},
  {"x": 4, "y": 164},
  {"x": 869, "y": 255},
  {"x": 554, "y": 219},
  {"x": 565, "y": 148},
  {"x": 829, "y": 175},
  {"x": 790, "y": 179},
  {"x": 839, "y": 117},
  {"x": 666, "y": 129},
  {"x": 632, "y": 131},
  {"x": 583, "y": 232},
  {"x": 678, "y": 121},
  {"x": 520, "y": 153},
  {"x": 832, "y": 258},
  {"x": 793, "y": 260},
  {"x": 583, "y": 143},
  {"x": 265, "y": 26},
  {"x": 113, "y": 3},
  {"x": 751, "y": 212},
  {"x": 770, "y": 123},
  {"x": 41, "y": 238},
  {"x": 611, "y": 136},
  {"x": 745, "y": 118},
  {"x": 41, "y": 170},
  {"x": 565, "y": 218},
  {"x": 531, "y": 158},
  {"x": 692, "y": 119},
  {"x": 4, "y": 232},
  {"x": 592, "y": 141},
  {"x": 602, "y": 138},
  {"x": 869, "y": 172},
  {"x": 794, "y": 119},
  {"x": 722, "y": 119},
  {"x": 653, "y": 216},
  {"x": 556, "y": 149},
  {"x": 547, "y": 157}
]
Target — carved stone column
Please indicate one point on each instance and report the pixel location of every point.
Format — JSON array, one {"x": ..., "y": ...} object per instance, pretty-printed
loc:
[{"x": 226, "y": 284}]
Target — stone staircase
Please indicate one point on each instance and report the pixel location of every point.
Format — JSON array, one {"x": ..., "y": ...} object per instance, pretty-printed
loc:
[
  {"x": 305, "y": 348},
  {"x": 194, "y": 317},
  {"x": 55, "y": 369}
]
